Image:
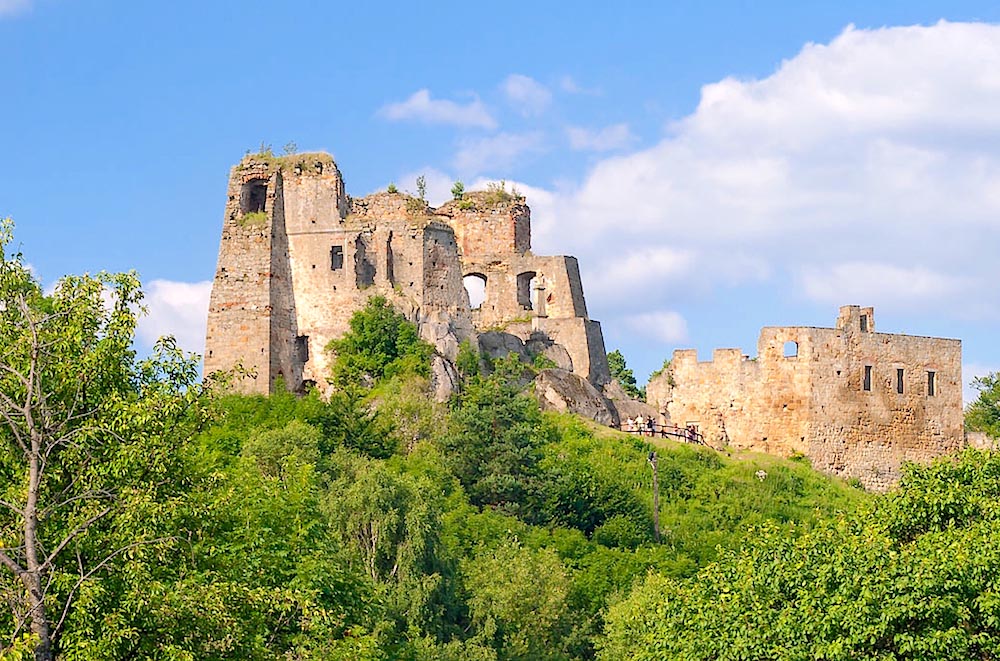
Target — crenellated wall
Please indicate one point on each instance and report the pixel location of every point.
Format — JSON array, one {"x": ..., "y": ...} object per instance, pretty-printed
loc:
[{"x": 807, "y": 393}]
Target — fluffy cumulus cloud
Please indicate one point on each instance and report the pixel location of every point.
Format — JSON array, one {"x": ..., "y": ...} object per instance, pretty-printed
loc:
[
  {"x": 422, "y": 107},
  {"x": 866, "y": 170},
  {"x": 666, "y": 326},
  {"x": 176, "y": 308},
  {"x": 12, "y": 7},
  {"x": 495, "y": 153},
  {"x": 609, "y": 138},
  {"x": 525, "y": 94}
]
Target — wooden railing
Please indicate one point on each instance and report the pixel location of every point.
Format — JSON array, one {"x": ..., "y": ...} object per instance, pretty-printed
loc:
[{"x": 686, "y": 434}]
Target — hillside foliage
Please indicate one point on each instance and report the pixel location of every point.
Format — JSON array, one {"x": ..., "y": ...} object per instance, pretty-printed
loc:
[{"x": 377, "y": 524}]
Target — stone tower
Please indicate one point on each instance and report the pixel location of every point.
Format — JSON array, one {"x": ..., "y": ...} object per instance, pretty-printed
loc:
[{"x": 298, "y": 257}]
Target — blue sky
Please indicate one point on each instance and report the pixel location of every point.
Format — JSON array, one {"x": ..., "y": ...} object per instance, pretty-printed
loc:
[{"x": 717, "y": 167}]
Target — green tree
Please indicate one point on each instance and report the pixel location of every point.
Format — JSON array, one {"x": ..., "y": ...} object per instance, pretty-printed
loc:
[
  {"x": 912, "y": 577},
  {"x": 380, "y": 343},
  {"x": 494, "y": 444},
  {"x": 519, "y": 602},
  {"x": 458, "y": 190},
  {"x": 624, "y": 376},
  {"x": 984, "y": 413},
  {"x": 88, "y": 438}
]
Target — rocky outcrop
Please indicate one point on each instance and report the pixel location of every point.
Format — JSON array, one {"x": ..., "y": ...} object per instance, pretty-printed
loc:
[
  {"x": 629, "y": 408},
  {"x": 561, "y": 390}
]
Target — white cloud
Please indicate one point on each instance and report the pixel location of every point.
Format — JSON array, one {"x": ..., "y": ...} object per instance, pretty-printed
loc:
[
  {"x": 609, "y": 138},
  {"x": 882, "y": 285},
  {"x": 176, "y": 308},
  {"x": 640, "y": 267},
  {"x": 12, "y": 7},
  {"x": 495, "y": 153},
  {"x": 569, "y": 85},
  {"x": 526, "y": 94},
  {"x": 421, "y": 107},
  {"x": 664, "y": 326},
  {"x": 866, "y": 170}
]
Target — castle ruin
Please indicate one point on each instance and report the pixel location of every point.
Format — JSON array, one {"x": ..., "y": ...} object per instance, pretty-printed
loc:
[
  {"x": 299, "y": 256},
  {"x": 856, "y": 402}
]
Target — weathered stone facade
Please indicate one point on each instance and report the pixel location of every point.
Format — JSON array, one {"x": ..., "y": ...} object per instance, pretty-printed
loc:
[
  {"x": 298, "y": 257},
  {"x": 856, "y": 402}
]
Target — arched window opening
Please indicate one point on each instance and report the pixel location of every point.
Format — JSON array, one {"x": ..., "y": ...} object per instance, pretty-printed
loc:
[
  {"x": 791, "y": 349},
  {"x": 525, "y": 290},
  {"x": 253, "y": 196},
  {"x": 475, "y": 285}
]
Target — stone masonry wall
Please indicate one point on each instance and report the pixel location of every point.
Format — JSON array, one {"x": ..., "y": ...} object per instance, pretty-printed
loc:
[
  {"x": 806, "y": 393},
  {"x": 298, "y": 257}
]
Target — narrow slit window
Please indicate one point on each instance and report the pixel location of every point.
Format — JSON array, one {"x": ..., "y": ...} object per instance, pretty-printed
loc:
[
  {"x": 302, "y": 348},
  {"x": 899, "y": 381},
  {"x": 336, "y": 258},
  {"x": 867, "y": 384},
  {"x": 864, "y": 323},
  {"x": 931, "y": 384}
]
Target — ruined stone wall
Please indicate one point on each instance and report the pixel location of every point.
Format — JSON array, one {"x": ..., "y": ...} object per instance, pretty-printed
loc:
[
  {"x": 806, "y": 393},
  {"x": 867, "y": 434},
  {"x": 486, "y": 226},
  {"x": 239, "y": 316},
  {"x": 299, "y": 257}
]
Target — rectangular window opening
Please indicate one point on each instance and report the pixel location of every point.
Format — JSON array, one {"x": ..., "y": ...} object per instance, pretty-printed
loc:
[
  {"x": 931, "y": 384},
  {"x": 864, "y": 323},
  {"x": 867, "y": 385},
  {"x": 302, "y": 348},
  {"x": 899, "y": 381},
  {"x": 336, "y": 258}
]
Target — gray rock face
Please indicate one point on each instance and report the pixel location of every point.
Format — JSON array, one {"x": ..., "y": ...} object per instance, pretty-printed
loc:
[
  {"x": 540, "y": 344},
  {"x": 444, "y": 378},
  {"x": 561, "y": 390},
  {"x": 627, "y": 407},
  {"x": 497, "y": 344}
]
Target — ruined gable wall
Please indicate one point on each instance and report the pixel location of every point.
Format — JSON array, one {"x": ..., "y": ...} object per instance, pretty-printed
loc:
[{"x": 525, "y": 293}]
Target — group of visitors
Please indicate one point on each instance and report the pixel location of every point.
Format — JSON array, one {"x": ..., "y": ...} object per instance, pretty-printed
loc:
[
  {"x": 647, "y": 427},
  {"x": 641, "y": 425}
]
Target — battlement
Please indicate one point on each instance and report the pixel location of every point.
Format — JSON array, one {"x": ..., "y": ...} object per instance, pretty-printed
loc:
[{"x": 856, "y": 402}]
